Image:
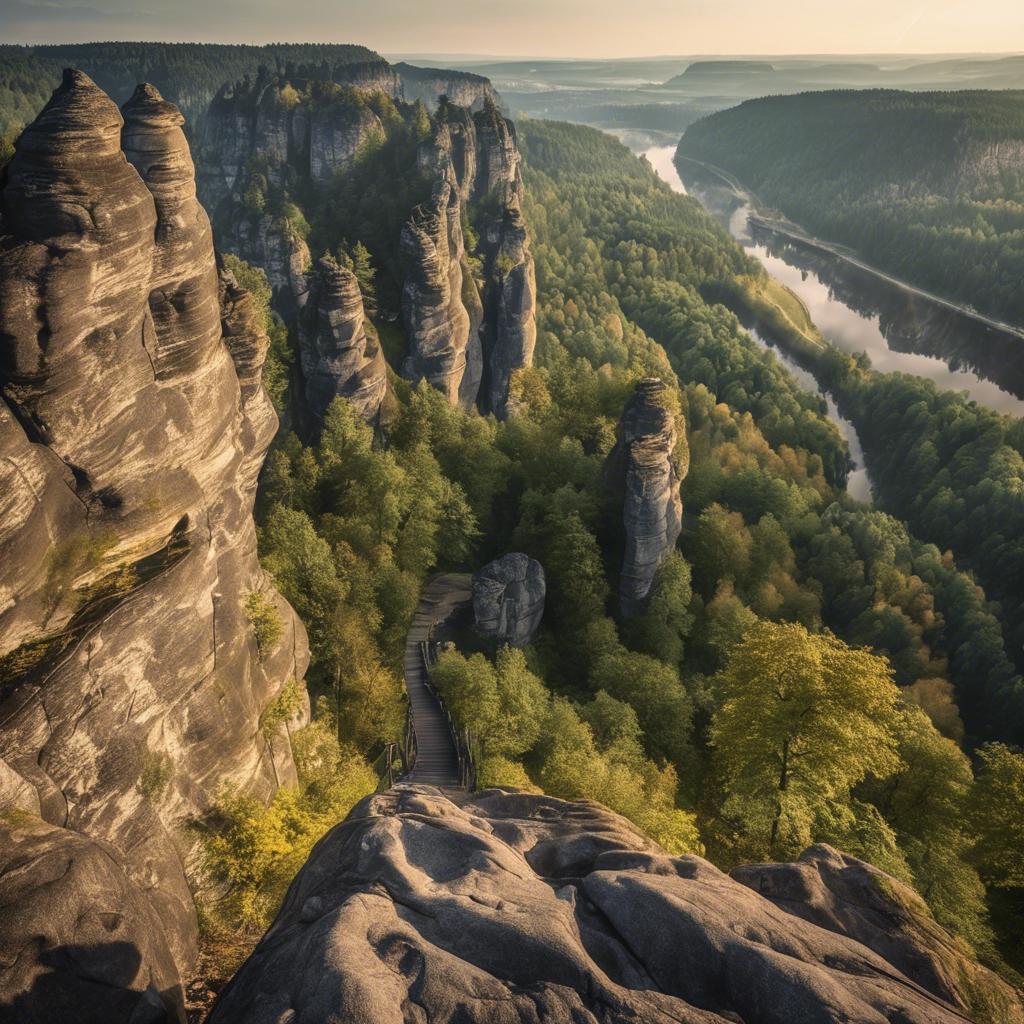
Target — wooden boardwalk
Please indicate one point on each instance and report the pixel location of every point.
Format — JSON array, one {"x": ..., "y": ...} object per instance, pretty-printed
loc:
[{"x": 437, "y": 761}]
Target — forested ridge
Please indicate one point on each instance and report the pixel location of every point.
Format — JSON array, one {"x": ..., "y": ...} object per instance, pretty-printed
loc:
[
  {"x": 927, "y": 186},
  {"x": 188, "y": 74},
  {"x": 776, "y": 566}
]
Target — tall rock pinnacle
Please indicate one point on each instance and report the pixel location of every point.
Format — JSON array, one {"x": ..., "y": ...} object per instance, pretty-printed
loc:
[{"x": 646, "y": 467}]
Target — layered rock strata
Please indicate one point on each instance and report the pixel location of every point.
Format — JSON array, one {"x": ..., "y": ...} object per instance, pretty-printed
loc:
[
  {"x": 340, "y": 352},
  {"x": 508, "y": 599},
  {"x": 645, "y": 467},
  {"x": 477, "y": 155},
  {"x": 510, "y": 304},
  {"x": 517, "y": 907},
  {"x": 437, "y": 323},
  {"x": 132, "y": 428}
]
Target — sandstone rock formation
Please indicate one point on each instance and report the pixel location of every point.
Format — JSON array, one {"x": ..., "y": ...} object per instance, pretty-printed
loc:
[
  {"x": 272, "y": 244},
  {"x": 437, "y": 323},
  {"x": 508, "y": 598},
  {"x": 510, "y": 304},
  {"x": 517, "y": 907},
  {"x": 430, "y": 84},
  {"x": 132, "y": 427},
  {"x": 497, "y": 171},
  {"x": 477, "y": 155},
  {"x": 337, "y": 133},
  {"x": 646, "y": 466},
  {"x": 264, "y": 123},
  {"x": 340, "y": 352},
  {"x": 451, "y": 151}
]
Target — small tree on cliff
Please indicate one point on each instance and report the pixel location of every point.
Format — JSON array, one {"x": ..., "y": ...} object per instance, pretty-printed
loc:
[{"x": 801, "y": 718}]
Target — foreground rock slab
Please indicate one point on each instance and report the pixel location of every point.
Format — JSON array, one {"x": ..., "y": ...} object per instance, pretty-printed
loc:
[{"x": 517, "y": 907}]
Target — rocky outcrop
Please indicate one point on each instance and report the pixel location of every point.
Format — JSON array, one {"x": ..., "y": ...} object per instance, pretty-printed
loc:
[
  {"x": 437, "y": 322},
  {"x": 100, "y": 953},
  {"x": 498, "y": 158},
  {"x": 645, "y": 467},
  {"x": 272, "y": 244},
  {"x": 508, "y": 599},
  {"x": 510, "y": 302},
  {"x": 450, "y": 152},
  {"x": 429, "y": 84},
  {"x": 131, "y": 434},
  {"x": 340, "y": 352},
  {"x": 516, "y": 907},
  {"x": 847, "y": 896},
  {"x": 477, "y": 155},
  {"x": 370, "y": 76},
  {"x": 290, "y": 133},
  {"x": 338, "y": 132}
]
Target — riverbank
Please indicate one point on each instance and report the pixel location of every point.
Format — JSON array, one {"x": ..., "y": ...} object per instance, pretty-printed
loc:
[{"x": 761, "y": 217}]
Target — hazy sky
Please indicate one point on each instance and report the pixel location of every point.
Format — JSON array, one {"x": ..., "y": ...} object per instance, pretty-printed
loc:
[{"x": 583, "y": 28}]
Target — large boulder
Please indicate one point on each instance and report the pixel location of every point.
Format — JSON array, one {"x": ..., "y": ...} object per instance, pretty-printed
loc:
[
  {"x": 517, "y": 907},
  {"x": 508, "y": 599}
]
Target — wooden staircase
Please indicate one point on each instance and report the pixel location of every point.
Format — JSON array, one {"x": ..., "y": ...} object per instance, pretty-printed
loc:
[{"x": 441, "y": 755}]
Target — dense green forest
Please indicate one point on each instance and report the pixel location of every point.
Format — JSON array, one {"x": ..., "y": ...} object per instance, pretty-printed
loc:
[
  {"x": 928, "y": 186},
  {"x": 665, "y": 717},
  {"x": 188, "y": 74}
]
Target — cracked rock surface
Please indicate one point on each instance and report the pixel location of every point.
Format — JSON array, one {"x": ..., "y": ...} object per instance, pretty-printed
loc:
[{"x": 516, "y": 907}]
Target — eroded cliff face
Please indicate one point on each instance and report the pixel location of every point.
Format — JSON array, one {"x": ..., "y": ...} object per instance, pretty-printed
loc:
[
  {"x": 645, "y": 467},
  {"x": 132, "y": 428},
  {"x": 478, "y": 156},
  {"x": 264, "y": 124},
  {"x": 517, "y": 907},
  {"x": 510, "y": 302},
  {"x": 437, "y": 322},
  {"x": 429, "y": 84},
  {"x": 340, "y": 351}
]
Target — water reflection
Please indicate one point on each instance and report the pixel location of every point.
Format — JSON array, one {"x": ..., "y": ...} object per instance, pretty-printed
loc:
[
  {"x": 901, "y": 330},
  {"x": 857, "y": 483}
]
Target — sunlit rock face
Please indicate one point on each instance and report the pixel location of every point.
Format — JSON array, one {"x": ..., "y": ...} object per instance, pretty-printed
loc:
[
  {"x": 132, "y": 429},
  {"x": 510, "y": 304},
  {"x": 477, "y": 155},
  {"x": 845, "y": 895},
  {"x": 646, "y": 467},
  {"x": 429, "y": 84},
  {"x": 437, "y": 322},
  {"x": 508, "y": 599},
  {"x": 511, "y": 906},
  {"x": 340, "y": 352}
]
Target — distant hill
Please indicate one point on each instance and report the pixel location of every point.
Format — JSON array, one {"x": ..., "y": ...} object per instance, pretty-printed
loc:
[
  {"x": 927, "y": 185},
  {"x": 727, "y": 67}
]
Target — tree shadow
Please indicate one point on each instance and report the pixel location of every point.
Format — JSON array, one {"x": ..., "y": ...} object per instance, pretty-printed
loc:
[{"x": 90, "y": 984}]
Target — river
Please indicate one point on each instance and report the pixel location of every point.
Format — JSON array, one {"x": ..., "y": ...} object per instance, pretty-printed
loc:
[
  {"x": 857, "y": 485},
  {"x": 857, "y": 311}
]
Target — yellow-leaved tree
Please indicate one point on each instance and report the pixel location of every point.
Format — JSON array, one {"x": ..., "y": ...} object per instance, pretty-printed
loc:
[{"x": 800, "y": 719}]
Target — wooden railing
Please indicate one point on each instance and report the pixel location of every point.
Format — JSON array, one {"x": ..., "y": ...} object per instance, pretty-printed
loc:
[{"x": 461, "y": 738}]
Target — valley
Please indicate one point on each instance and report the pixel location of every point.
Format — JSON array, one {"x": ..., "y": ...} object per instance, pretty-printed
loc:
[{"x": 454, "y": 569}]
